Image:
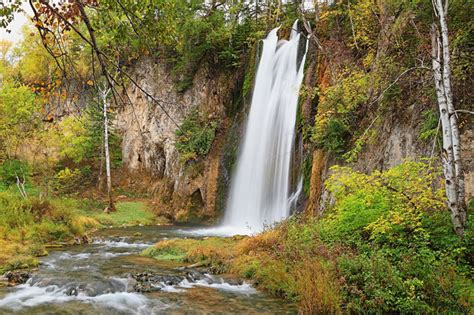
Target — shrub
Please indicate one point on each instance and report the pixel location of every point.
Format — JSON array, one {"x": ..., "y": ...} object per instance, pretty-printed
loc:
[
  {"x": 378, "y": 281},
  {"x": 334, "y": 137},
  {"x": 429, "y": 126},
  {"x": 10, "y": 169},
  {"x": 67, "y": 181},
  {"x": 195, "y": 136},
  {"x": 14, "y": 212},
  {"x": 48, "y": 231},
  {"x": 383, "y": 203},
  {"x": 317, "y": 287},
  {"x": 80, "y": 224},
  {"x": 396, "y": 225}
]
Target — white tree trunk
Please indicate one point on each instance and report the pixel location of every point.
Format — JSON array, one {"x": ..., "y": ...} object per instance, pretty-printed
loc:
[
  {"x": 451, "y": 156},
  {"x": 442, "y": 11},
  {"x": 103, "y": 95}
]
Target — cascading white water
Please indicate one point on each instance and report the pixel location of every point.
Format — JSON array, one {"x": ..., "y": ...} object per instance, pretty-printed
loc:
[{"x": 260, "y": 189}]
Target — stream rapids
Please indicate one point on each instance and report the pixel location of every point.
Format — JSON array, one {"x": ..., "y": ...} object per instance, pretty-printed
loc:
[{"x": 108, "y": 276}]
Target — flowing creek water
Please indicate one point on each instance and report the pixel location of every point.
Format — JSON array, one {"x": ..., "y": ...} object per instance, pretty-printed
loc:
[{"x": 100, "y": 278}]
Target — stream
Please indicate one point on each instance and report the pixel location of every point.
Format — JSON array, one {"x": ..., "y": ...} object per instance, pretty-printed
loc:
[{"x": 101, "y": 278}]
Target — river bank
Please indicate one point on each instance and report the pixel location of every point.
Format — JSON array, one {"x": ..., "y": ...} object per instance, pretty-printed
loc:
[{"x": 29, "y": 228}]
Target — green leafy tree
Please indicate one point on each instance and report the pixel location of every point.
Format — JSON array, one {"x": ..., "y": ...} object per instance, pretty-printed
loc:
[{"x": 19, "y": 117}]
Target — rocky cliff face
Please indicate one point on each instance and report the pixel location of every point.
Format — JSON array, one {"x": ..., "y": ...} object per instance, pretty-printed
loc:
[
  {"x": 198, "y": 189},
  {"x": 397, "y": 141},
  {"x": 148, "y": 135},
  {"x": 395, "y": 138}
]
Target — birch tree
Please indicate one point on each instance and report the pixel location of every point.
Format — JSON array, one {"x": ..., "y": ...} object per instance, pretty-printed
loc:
[
  {"x": 451, "y": 155},
  {"x": 103, "y": 94}
]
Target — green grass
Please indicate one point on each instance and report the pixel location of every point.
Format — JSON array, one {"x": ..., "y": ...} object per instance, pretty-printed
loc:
[
  {"x": 128, "y": 213},
  {"x": 213, "y": 251},
  {"x": 28, "y": 226},
  {"x": 130, "y": 193},
  {"x": 31, "y": 190},
  {"x": 168, "y": 254}
]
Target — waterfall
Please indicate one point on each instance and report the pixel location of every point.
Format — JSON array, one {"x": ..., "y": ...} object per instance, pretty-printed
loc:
[{"x": 260, "y": 189}]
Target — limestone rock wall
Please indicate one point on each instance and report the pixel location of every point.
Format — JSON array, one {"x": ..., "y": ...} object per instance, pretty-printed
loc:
[{"x": 148, "y": 133}]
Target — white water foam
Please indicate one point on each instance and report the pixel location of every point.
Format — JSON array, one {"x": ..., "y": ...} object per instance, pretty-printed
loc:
[
  {"x": 68, "y": 256},
  {"x": 243, "y": 288},
  {"x": 27, "y": 296},
  {"x": 210, "y": 282},
  {"x": 121, "y": 244},
  {"x": 111, "y": 255}
]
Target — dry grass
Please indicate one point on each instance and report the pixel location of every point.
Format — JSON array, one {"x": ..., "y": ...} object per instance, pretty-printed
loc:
[
  {"x": 269, "y": 241},
  {"x": 81, "y": 224},
  {"x": 212, "y": 251},
  {"x": 317, "y": 288},
  {"x": 277, "y": 263},
  {"x": 15, "y": 255}
]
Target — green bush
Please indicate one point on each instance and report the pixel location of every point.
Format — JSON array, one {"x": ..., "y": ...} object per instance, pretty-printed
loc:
[
  {"x": 195, "y": 136},
  {"x": 14, "y": 212},
  {"x": 405, "y": 254},
  {"x": 10, "y": 169},
  {"x": 334, "y": 137},
  {"x": 429, "y": 126}
]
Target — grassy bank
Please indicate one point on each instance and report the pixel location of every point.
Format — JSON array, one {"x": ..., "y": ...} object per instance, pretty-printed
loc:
[
  {"x": 385, "y": 245},
  {"x": 28, "y": 226}
]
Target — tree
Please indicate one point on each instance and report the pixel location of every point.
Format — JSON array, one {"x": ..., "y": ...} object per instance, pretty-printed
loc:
[
  {"x": 7, "y": 11},
  {"x": 19, "y": 118},
  {"x": 5, "y": 47},
  {"x": 103, "y": 94},
  {"x": 451, "y": 155}
]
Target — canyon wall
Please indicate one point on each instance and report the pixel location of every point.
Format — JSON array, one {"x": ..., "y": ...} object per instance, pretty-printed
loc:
[{"x": 148, "y": 134}]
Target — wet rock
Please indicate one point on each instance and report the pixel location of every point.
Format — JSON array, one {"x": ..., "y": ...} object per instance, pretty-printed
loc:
[
  {"x": 232, "y": 281},
  {"x": 131, "y": 283},
  {"x": 17, "y": 277},
  {"x": 118, "y": 285},
  {"x": 98, "y": 288},
  {"x": 172, "y": 280},
  {"x": 194, "y": 275},
  {"x": 144, "y": 288},
  {"x": 213, "y": 279},
  {"x": 71, "y": 291},
  {"x": 56, "y": 245},
  {"x": 149, "y": 282},
  {"x": 44, "y": 282},
  {"x": 81, "y": 240}
]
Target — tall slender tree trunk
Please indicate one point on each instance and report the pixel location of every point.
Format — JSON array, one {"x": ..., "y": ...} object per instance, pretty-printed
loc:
[
  {"x": 442, "y": 11},
  {"x": 451, "y": 155},
  {"x": 111, "y": 206}
]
